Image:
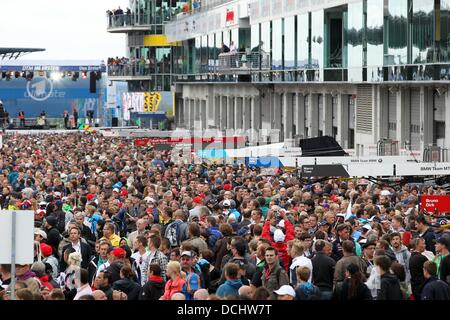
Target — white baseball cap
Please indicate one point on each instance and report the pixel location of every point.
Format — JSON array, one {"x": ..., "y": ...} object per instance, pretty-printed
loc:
[{"x": 285, "y": 290}]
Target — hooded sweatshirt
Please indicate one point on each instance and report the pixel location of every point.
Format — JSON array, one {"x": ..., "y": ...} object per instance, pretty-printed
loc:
[
  {"x": 403, "y": 255},
  {"x": 390, "y": 288},
  {"x": 229, "y": 288},
  {"x": 153, "y": 288}
]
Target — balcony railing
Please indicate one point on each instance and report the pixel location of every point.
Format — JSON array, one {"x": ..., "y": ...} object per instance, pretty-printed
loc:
[
  {"x": 131, "y": 20},
  {"x": 138, "y": 69},
  {"x": 243, "y": 61}
]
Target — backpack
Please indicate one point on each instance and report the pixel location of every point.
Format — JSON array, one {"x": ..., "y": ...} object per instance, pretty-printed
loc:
[{"x": 173, "y": 233}]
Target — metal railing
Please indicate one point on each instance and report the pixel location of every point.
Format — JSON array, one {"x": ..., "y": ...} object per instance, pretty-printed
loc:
[
  {"x": 131, "y": 20},
  {"x": 243, "y": 61},
  {"x": 138, "y": 69},
  {"x": 435, "y": 154},
  {"x": 387, "y": 147}
]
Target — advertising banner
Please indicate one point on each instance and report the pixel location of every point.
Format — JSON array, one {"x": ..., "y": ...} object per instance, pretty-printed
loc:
[{"x": 435, "y": 203}]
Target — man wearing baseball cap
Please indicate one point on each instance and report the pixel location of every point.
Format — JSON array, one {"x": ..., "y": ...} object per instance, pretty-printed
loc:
[{"x": 285, "y": 292}]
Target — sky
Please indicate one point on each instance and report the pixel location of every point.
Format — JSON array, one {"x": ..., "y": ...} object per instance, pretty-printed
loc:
[{"x": 67, "y": 29}]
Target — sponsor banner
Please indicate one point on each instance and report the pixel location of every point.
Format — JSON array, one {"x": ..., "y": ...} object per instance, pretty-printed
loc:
[
  {"x": 327, "y": 170},
  {"x": 435, "y": 203},
  {"x": 423, "y": 169}
]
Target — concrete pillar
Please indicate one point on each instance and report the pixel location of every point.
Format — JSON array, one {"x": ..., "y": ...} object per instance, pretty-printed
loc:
[
  {"x": 447, "y": 120},
  {"x": 216, "y": 114},
  {"x": 210, "y": 102},
  {"x": 313, "y": 116},
  {"x": 276, "y": 111},
  {"x": 403, "y": 116},
  {"x": 194, "y": 113},
  {"x": 342, "y": 120},
  {"x": 230, "y": 113},
  {"x": 288, "y": 115},
  {"x": 184, "y": 118},
  {"x": 327, "y": 123},
  {"x": 203, "y": 114},
  {"x": 223, "y": 112},
  {"x": 238, "y": 112},
  {"x": 255, "y": 124},
  {"x": 265, "y": 111},
  {"x": 426, "y": 117},
  {"x": 384, "y": 113},
  {"x": 246, "y": 113},
  {"x": 299, "y": 114}
]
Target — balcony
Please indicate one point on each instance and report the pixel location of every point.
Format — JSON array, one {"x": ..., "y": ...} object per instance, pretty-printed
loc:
[
  {"x": 129, "y": 22},
  {"x": 243, "y": 63},
  {"x": 137, "y": 71}
]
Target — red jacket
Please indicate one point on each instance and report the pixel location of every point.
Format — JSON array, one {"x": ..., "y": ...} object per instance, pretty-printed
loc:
[
  {"x": 281, "y": 246},
  {"x": 173, "y": 287}
]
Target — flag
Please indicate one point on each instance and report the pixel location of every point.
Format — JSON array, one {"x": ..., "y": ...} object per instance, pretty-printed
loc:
[{"x": 348, "y": 214}]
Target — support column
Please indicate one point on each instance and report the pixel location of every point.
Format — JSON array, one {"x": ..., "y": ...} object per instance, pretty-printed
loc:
[
  {"x": 426, "y": 117},
  {"x": 342, "y": 120},
  {"x": 230, "y": 113},
  {"x": 313, "y": 115},
  {"x": 210, "y": 102},
  {"x": 327, "y": 123},
  {"x": 193, "y": 114},
  {"x": 288, "y": 115},
  {"x": 223, "y": 112},
  {"x": 184, "y": 118},
  {"x": 276, "y": 111},
  {"x": 203, "y": 114},
  {"x": 299, "y": 116},
  {"x": 403, "y": 116},
  {"x": 255, "y": 124},
  {"x": 238, "y": 112},
  {"x": 447, "y": 120},
  {"x": 265, "y": 110},
  {"x": 246, "y": 113},
  {"x": 216, "y": 115}
]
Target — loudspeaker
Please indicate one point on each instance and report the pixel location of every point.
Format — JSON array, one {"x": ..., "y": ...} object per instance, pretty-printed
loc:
[
  {"x": 115, "y": 122},
  {"x": 93, "y": 83}
]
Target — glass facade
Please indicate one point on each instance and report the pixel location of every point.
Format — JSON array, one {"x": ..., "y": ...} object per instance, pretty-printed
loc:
[
  {"x": 354, "y": 37},
  {"x": 358, "y": 41}
]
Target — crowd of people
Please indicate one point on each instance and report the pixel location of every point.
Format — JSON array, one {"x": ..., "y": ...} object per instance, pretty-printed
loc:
[
  {"x": 138, "y": 66},
  {"x": 119, "y": 222}
]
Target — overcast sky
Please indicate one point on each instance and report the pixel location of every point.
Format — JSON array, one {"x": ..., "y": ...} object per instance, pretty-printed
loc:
[{"x": 67, "y": 29}]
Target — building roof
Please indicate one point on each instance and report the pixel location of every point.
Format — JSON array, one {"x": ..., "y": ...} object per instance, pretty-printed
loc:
[{"x": 14, "y": 53}]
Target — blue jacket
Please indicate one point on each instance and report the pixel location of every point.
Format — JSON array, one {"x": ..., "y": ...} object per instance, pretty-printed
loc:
[
  {"x": 213, "y": 235},
  {"x": 229, "y": 288},
  {"x": 434, "y": 289}
]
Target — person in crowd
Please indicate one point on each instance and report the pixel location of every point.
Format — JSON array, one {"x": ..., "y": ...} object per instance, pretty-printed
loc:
[
  {"x": 107, "y": 206},
  {"x": 353, "y": 287},
  {"x": 416, "y": 263},
  {"x": 433, "y": 288},
  {"x": 305, "y": 290},
  {"x": 176, "y": 280},
  {"x": 389, "y": 284}
]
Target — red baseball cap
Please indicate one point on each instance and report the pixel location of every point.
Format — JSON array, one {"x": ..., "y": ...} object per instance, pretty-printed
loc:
[
  {"x": 124, "y": 193},
  {"x": 119, "y": 253},
  {"x": 197, "y": 200},
  {"x": 46, "y": 249}
]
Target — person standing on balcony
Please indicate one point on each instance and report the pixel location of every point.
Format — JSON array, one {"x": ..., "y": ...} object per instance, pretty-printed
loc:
[
  {"x": 225, "y": 48},
  {"x": 66, "y": 119},
  {"x": 21, "y": 117},
  {"x": 75, "y": 118},
  {"x": 128, "y": 17}
]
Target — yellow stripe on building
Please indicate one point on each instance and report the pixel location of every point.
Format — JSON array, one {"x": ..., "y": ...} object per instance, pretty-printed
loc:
[{"x": 158, "y": 40}]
